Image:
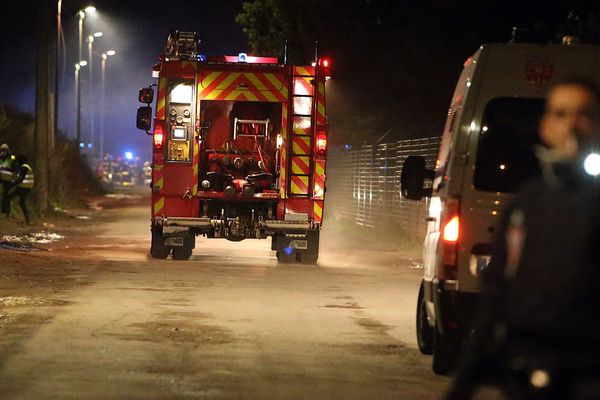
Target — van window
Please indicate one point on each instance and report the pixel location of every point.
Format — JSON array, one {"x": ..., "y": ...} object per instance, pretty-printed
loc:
[{"x": 505, "y": 155}]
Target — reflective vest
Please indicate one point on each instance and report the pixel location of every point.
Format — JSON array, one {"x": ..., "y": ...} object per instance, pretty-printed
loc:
[
  {"x": 28, "y": 181},
  {"x": 6, "y": 169}
]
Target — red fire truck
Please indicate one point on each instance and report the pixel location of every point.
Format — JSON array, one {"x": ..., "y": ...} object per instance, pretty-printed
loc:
[{"x": 239, "y": 150}]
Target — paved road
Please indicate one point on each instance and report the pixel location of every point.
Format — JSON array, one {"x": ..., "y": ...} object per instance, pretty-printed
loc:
[{"x": 100, "y": 320}]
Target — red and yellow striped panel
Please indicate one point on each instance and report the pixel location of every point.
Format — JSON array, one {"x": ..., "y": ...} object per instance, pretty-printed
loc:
[
  {"x": 301, "y": 165},
  {"x": 158, "y": 183},
  {"x": 302, "y": 126},
  {"x": 299, "y": 185},
  {"x": 284, "y": 151},
  {"x": 304, "y": 71},
  {"x": 319, "y": 180},
  {"x": 301, "y": 145},
  {"x": 303, "y": 86},
  {"x": 161, "y": 98},
  {"x": 244, "y": 86},
  {"x": 318, "y": 211},
  {"x": 321, "y": 116},
  {"x": 196, "y": 162}
]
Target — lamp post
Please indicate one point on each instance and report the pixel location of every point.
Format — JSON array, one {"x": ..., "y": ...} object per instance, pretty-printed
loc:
[
  {"x": 81, "y": 14},
  {"x": 91, "y": 102},
  {"x": 103, "y": 77},
  {"x": 78, "y": 97}
]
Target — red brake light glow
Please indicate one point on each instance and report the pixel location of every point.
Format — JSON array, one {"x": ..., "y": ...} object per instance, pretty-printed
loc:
[
  {"x": 158, "y": 136},
  {"x": 452, "y": 230},
  {"x": 321, "y": 142}
]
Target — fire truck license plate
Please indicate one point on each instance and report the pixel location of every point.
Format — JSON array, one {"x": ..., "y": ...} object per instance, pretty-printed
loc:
[
  {"x": 299, "y": 244},
  {"x": 174, "y": 241}
]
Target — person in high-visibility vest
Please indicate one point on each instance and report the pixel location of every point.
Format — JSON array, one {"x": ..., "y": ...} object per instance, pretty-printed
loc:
[
  {"x": 7, "y": 169},
  {"x": 22, "y": 184}
]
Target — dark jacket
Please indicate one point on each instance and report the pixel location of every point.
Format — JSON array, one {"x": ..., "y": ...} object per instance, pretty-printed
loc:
[{"x": 541, "y": 292}]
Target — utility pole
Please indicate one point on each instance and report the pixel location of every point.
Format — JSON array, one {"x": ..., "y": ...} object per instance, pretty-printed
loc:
[{"x": 44, "y": 116}]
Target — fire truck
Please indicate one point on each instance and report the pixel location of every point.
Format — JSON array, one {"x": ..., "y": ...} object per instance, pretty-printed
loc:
[{"x": 239, "y": 150}]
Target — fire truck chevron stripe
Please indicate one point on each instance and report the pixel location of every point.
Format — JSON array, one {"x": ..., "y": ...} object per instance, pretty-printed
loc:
[
  {"x": 301, "y": 145},
  {"x": 319, "y": 179},
  {"x": 321, "y": 117},
  {"x": 249, "y": 86},
  {"x": 306, "y": 71},
  {"x": 300, "y": 165},
  {"x": 196, "y": 161},
  {"x": 318, "y": 211},
  {"x": 159, "y": 205},
  {"x": 283, "y": 165},
  {"x": 159, "y": 182},
  {"x": 158, "y": 167},
  {"x": 161, "y": 99},
  {"x": 299, "y": 184}
]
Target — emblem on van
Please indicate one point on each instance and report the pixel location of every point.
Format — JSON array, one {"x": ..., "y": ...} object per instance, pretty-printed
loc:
[{"x": 539, "y": 69}]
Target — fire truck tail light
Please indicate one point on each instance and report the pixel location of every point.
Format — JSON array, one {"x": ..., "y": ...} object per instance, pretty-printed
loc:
[
  {"x": 452, "y": 230},
  {"x": 321, "y": 142},
  {"x": 159, "y": 136}
]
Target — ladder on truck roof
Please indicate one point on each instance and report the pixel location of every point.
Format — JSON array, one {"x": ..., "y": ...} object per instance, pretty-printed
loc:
[
  {"x": 182, "y": 45},
  {"x": 302, "y": 132}
]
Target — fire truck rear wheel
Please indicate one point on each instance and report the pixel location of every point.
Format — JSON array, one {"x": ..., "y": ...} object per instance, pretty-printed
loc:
[
  {"x": 182, "y": 253},
  {"x": 159, "y": 252}
]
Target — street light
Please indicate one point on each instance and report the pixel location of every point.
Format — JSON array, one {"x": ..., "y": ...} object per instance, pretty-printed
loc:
[
  {"x": 81, "y": 14},
  {"x": 91, "y": 83},
  {"x": 103, "y": 76},
  {"x": 78, "y": 66}
]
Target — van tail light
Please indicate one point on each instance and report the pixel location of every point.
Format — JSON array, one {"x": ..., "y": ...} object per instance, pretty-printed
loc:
[
  {"x": 451, "y": 232},
  {"x": 321, "y": 143},
  {"x": 159, "y": 136}
]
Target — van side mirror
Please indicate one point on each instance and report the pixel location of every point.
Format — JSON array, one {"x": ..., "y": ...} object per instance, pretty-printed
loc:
[
  {"x": 413, "y": 176},
  {"x": 146, "y": 95},
  {"x": 144, "y": 118}
]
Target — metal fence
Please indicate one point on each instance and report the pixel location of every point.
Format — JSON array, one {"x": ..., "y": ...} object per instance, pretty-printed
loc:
[{"x": 363, "y": 185}]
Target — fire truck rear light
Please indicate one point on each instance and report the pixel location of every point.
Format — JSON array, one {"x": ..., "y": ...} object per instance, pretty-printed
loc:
[
  {"x": 159, "y": 136},
  {"x": 321, "y": 143},
  {"x": 452, "y": 230}
]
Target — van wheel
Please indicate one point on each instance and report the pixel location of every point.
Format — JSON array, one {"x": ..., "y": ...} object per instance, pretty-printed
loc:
[
  {"x": 424, "y": 330},
  {"x": 308, "y": 258},
  {"x": 444, "y": 355},
  {"x": 182, "y": 253}
]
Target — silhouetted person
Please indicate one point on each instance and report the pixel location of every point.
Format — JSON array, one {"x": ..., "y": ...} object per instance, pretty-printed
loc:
[
  {"x": 20, "y": 186},
  {"x": 7, "y": 170},
  {"x": 537, "y": 332}
]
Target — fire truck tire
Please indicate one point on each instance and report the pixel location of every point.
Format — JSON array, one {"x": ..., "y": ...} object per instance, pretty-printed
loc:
[
  {"x": 159, "y": 252},
  {"x": 182, "y": 253}
]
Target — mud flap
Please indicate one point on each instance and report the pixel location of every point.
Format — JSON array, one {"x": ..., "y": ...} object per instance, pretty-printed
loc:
[{"x": 302, "y": 247}]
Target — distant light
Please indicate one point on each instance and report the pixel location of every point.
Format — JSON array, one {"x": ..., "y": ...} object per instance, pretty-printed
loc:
[
  {"x": 313, "y": 64},
  {"x": 485, "y": 129},
  {"x": 90, "y": 145},
  {"x": 104, "y": 56},
  {"x": 502, "y": 167},
  {"x": 592, "y": 164},
  {"x": 82, "y": 63},
  {"x": 110, "y": 53},
  {"x": 347, "y": 147},
  {"x": 201, "y": 57},
  {"x": 90, "y": 39},
  {"x": 77, "y": 67},
  {"x": 90, "y": 9},
  {"x": 288, "y": 250},
  {"x": 98, "y": 34},
  {"x": 81, "y": 145},
  {"x": 128, "y": 155},
  {"x": 468, "y": 84},
  {"x": 81, "y": 14}
]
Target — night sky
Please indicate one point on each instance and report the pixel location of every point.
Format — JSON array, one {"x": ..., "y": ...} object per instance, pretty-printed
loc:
[{"x": 395, "y": 62}]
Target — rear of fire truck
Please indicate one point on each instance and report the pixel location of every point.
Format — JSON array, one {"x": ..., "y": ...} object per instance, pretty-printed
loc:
[{"x": 239, "y": 151}]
